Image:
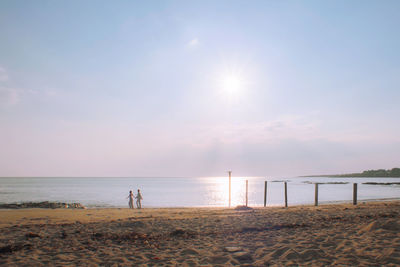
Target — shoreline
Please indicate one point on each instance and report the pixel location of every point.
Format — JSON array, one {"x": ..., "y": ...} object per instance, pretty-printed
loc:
[
  {"x": 191, "y": 193},
  {"x": 80, "y": 206}
]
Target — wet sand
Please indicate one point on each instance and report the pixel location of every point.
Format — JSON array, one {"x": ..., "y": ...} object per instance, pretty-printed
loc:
[{"x": 363, "y": 235}]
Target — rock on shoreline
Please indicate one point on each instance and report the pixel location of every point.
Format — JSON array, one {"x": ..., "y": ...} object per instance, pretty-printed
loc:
[{"x": 42, "y": 205}]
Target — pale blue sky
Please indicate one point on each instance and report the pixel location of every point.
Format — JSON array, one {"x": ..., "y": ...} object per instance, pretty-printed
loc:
[{"x": 137, "y": 88}]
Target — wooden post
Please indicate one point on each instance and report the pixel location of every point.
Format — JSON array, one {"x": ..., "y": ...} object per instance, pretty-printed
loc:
[
  {"x": 265, "y": 194},
  {"x": 247, "y": 192},
  {"x": 316, "y": 194},
  {"x": 286, "y": 195},
  {"x": 354, "y": 193},
  {"x": 230, "y": 174}
]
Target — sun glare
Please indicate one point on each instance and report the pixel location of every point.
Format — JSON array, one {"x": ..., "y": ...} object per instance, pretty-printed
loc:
[
  {"x": 232, "y": 84},
  {"x": 221, "y": 191}
]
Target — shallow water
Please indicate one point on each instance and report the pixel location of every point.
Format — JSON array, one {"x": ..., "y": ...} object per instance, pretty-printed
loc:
[{"x": 191, "y": 192}]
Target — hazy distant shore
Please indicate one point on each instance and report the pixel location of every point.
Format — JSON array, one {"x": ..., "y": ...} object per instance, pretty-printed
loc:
[
  {"x": 381, "y": 173},
  {"x": 366, "y": 234}
]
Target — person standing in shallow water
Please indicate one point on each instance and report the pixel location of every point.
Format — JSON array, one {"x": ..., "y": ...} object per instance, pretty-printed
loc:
[
  {"x": 130, "y": 199},
  {"x": 139, "y": 199}
]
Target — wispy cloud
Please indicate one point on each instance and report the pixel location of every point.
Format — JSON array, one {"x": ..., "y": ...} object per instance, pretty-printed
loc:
[
  {"x": 8, "y": 96},
  {"x": 293, "y": 128},
  {"x": 3, "y": 74},
  {"x": 289, "y": 127}
]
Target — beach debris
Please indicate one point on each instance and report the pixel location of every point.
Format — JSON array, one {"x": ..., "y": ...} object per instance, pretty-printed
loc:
[
  {"x": 312, "y": 254},
  {"x": 243, "y": 256},
  {"x": 278, "y": 252},
  {"x": 273, "y": 227},
  {"x": 123, "y": 236},
  {"x": 42, "y": 205},
  {"x": 14, "y": 247},
  {"x": 390, "y": 225},
  {"x": 233, "y": 249},
  {"x": 369, "y": 228},
  {"x": 189, "y": 251},
  {"x": 136, "y": 224},
  {"x": 386, "y": 253},
  {"x": 218, "y": 259},
  {"x": 32, "y": 235},
  {"x": 240, "y": 207},
  {"x": 63, "y": 234},
  {"x": 144, "y": 239},
  {"x": 183, "y": 233},
  {"x": 291, "y": 254},
  {"x": 253, "y": 229}
]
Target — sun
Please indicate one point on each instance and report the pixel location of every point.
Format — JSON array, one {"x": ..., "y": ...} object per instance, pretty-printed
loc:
[{"x": 231, "y": 84}]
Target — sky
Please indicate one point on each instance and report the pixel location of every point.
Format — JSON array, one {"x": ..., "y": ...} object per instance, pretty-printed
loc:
[{"x": 197, "y": 88}]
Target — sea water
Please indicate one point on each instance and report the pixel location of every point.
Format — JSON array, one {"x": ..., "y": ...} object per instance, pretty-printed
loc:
[{"x": 191, "y": 192}]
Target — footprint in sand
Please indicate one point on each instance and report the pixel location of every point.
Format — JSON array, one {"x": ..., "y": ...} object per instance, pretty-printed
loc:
[
  {"x": 218, "y": 259},
  {"x": 189, "y": 251}
]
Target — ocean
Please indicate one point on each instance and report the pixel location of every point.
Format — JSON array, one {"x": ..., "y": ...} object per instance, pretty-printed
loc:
[{"x": 191, "y": 192}]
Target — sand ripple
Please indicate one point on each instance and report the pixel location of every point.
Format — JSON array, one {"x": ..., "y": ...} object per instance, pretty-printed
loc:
[{"x": 367, "y": 235}]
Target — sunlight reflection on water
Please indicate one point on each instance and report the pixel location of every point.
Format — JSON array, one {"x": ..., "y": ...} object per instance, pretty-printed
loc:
[{"x": 218, "y": 190}]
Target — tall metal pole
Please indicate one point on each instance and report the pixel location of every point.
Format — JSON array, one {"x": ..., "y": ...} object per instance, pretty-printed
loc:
[
  {"x": 230, "y": 175},
  {"x": 247, "y": 192}
]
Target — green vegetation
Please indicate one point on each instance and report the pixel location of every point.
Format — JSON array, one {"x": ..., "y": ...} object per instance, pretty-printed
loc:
[{"x": 395, "y": 172}]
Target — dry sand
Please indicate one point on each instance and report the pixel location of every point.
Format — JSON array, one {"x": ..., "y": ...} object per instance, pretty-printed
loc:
[{"x": 363, "y": 235}]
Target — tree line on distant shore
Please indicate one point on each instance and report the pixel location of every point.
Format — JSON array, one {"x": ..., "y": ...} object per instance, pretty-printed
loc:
[{"x": 395, "y": 172}]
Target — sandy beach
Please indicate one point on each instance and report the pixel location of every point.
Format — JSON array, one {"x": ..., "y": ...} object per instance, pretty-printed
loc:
[{"x": 364, "y": 235}]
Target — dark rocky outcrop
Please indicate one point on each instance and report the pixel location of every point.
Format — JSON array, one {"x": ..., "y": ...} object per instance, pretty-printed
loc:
[
  {"x": 243, "y": 208},
  {"x": 42, "y": 205},
  {"x": 374, "y": 183}
]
